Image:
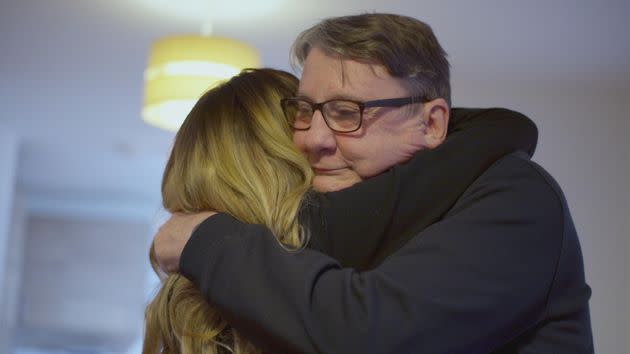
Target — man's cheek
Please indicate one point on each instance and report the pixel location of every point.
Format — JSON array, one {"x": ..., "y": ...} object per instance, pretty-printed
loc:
[{"x": 297, "y": 141}]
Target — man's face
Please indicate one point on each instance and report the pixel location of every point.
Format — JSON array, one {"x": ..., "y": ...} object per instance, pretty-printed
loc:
[{"x": 387, "y": 136}]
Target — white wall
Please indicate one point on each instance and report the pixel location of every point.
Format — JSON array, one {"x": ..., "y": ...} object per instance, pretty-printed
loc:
[
  {"x": 8, "y": 167},
  {"x": 14, "y": 270},
  {"x": 84, "y": 283},
  {"x": 584, "y": 127},
  {"x": 626, "y": 229}
]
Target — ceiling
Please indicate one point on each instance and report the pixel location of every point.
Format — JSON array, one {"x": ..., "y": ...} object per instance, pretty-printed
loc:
[{"x": 71, "y": 86}]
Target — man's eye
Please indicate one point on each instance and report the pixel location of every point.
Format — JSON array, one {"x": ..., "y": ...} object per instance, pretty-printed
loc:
[{"x": 346, "y": 111}]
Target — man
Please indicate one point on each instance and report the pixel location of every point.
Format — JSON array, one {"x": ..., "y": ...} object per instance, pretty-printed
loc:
[{"x": 501, "y": 273}]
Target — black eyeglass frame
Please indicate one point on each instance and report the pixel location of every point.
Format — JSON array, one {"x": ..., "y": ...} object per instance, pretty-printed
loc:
[{"x": 387, "y": 102}]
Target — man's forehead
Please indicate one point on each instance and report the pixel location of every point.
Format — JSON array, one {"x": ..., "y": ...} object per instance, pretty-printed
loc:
[{"x": 329, "y": 77}]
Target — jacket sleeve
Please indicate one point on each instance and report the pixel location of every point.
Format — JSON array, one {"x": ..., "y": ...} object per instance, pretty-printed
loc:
[
  {"x": 361, "y": 225},
  {"x": 467, "y": 284}
]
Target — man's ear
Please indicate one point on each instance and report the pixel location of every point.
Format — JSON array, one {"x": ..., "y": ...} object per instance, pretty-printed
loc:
[{"x": 435, "y": 115}]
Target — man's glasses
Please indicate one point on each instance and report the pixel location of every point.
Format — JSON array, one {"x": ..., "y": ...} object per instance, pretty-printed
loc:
[{"x": 342, "y": 116}]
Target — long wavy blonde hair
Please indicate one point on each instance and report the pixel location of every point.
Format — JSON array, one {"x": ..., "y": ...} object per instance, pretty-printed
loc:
[{"x": 233, "y": 154}]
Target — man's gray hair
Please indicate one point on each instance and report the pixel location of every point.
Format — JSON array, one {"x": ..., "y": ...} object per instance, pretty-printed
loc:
[{"x": 406, "y": 46}]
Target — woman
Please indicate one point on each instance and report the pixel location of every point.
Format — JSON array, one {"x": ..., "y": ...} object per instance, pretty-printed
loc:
[{"x": 234, "y": 154}]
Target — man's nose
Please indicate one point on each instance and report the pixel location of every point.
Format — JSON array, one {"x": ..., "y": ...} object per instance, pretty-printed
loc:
[{"x": 320, "y": 139}]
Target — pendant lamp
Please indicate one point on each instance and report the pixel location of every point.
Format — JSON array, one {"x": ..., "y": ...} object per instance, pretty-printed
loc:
[{"x": 181, "y": 68}]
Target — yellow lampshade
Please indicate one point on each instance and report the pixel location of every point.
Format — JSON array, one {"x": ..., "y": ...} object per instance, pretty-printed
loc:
[{"x": 182, "y": 68}]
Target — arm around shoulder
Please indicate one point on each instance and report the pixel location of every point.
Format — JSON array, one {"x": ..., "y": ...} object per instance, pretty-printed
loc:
[{"x": 469, "y": 283}]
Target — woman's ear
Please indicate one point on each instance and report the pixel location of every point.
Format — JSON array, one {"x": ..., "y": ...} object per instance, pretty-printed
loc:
[{"x": 435, "y": 119}]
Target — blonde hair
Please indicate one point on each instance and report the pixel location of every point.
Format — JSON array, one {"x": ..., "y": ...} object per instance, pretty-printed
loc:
[{"x": 233, "y": 154}]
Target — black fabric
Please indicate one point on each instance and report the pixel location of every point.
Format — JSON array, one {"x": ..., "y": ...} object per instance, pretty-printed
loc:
[
  {"x": 364, "y": 224},
  {"x": 482, "y": 261}
]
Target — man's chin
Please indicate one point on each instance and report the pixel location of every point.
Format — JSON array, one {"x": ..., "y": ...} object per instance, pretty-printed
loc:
[{"x": 325, "y": 184}]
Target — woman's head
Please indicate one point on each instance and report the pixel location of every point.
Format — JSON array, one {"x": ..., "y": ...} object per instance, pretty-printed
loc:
[{"x": 233, "y": 154}]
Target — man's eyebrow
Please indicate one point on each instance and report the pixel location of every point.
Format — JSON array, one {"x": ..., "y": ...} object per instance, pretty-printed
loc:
[{"x": 304, "y": 96}]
